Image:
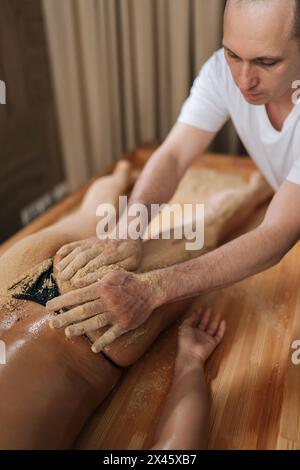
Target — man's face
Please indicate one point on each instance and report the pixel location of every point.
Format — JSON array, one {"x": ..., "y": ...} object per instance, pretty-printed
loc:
[{"x": 263, "y": 56}]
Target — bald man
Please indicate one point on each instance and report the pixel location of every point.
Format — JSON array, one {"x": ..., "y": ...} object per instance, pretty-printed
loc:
[{"x": 252, "y": 81}]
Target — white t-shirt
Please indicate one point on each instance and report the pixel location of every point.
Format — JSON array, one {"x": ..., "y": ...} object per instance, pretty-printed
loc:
[{"x": 215, "y": 98}]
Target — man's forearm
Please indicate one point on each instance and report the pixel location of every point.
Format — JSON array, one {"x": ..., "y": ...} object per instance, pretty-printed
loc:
[
  {"x": 158, "y": 181},
  {"x": 162, "y": 173},
  {"x": 244, "y": 257},
  {"x": 156, "y": 185}
]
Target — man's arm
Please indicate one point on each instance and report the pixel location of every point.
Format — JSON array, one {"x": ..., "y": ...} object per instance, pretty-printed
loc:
[
  {"x": 166, "y": 167},
  {"x": 246, "y": 256},
  {"x": 125, "y": 300},
  {"x": 156, "y": 185}
]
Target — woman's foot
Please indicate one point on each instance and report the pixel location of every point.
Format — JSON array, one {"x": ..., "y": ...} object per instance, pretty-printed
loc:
[
  {"x": 126, "y": 170},
  {"x": 106, "y": 189},
  {"x": 199, "y": 334}
]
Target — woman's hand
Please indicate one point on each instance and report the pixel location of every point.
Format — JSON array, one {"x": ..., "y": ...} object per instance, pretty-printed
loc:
[
  {"x": 199, "y": 335},
  {"x": 83, "y": 261},
  {"x": 121, "y": 300}
]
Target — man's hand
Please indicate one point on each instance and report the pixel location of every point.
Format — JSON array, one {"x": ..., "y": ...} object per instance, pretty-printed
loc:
[
  {"x": 84, "y": 260},
  {"x": 121, "y": 299}
]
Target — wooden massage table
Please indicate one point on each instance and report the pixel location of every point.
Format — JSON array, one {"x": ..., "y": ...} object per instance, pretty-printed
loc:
[{"x": 254, "y": 385}]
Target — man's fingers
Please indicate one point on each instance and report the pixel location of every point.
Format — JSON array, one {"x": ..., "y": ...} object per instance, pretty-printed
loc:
[
  {"x": 109, "y": 337},
  {"x": 77, "y": 314},
  {"x": 75, "y": 297},
  {"x": 67, "y": 259},
  {"x": 80, "y": 280},
  {"x": 81, "y": 259},
  {"x": 125, "y": 256},
  {"x": 89, "y": 279},
  {"x": 220, "y": 332},
  {"x": 83, "y": 279},
  {"x": 130, "y": 263},
  {"x": 104, "y": 259},
  {"x": 86, "y": 326},
  {"x": 66, "y": 249}
]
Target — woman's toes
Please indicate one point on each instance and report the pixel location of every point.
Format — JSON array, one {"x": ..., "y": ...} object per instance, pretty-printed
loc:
[{"x": 125, "y": 167}]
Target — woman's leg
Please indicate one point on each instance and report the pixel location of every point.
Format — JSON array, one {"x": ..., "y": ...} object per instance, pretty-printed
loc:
[
  {"x": 61, "y": 381},
  {"x": 79, "y": 225},
  {"x": 229, "y": 209},
  {"x": 226, "y": 209},
  {"x": 50, "y": 385},
  {"x": 52, "y": 368}
]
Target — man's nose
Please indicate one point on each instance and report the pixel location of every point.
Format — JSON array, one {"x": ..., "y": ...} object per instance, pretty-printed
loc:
[{"x": 246, "y": 78}]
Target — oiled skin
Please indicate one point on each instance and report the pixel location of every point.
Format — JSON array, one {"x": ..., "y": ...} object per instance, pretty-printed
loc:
[{"x": 50, "y": 384}]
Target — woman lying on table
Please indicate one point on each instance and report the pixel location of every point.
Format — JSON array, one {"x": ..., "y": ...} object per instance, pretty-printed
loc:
[{"x": 50, "y": 385}]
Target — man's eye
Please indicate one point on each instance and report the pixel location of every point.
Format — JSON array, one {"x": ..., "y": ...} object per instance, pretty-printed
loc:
[
  {"x": 232, "y": 56},
  {"x": 267, "y": 64}
]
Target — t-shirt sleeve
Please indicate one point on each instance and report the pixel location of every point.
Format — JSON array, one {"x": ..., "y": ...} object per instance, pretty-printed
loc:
[
  {"x": 294, "y": 175},
  {"x": 206, "y": 106}
]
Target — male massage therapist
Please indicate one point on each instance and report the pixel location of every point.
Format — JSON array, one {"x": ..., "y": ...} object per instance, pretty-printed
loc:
[{"x": 249, "y": 80}]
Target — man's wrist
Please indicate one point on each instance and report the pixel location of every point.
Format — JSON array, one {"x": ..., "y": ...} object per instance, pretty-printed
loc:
[
  {"x": 155, "y": 291},
  {"x": 154, "y": 281}
]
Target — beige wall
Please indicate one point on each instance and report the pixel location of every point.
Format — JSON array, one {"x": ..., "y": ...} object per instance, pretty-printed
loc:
[{"x": 122, "y": 69}]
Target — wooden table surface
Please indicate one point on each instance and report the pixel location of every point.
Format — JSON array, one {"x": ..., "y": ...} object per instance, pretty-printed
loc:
[{"x": 255, "y": 388}]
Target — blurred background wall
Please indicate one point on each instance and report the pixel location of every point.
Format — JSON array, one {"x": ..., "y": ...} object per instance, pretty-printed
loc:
[
  {"x": 31, "y": 161},
  {"x": 122, "y": 70},
  {"x": 90, "y": 79}
]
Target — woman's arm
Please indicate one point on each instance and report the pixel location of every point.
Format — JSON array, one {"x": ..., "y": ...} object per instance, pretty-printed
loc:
[{"x": 184, "y": 422}]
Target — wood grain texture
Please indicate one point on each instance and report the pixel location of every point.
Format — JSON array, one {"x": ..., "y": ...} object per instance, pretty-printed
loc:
[{"x": 254, "y": 385}]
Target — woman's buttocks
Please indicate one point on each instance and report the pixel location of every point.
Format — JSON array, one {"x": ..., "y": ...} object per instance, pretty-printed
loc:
[{"x": 50, "y": 384}]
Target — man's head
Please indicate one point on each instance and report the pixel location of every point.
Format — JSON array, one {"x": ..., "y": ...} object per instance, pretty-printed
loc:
[{"x": 262, "y": 47}]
